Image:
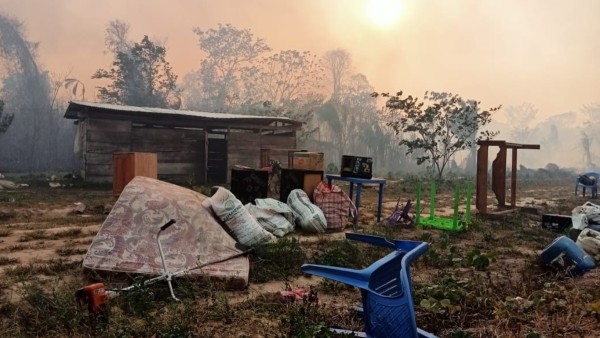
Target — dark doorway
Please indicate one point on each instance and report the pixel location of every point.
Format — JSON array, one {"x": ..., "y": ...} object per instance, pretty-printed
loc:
[{"x": 217, "y": 159}]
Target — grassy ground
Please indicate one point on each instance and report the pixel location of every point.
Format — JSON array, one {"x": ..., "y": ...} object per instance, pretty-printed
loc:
[{"x": 484, "y": 282}]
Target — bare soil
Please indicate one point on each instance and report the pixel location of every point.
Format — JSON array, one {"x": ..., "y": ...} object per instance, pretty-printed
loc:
[{"x": 511, "y": 297}]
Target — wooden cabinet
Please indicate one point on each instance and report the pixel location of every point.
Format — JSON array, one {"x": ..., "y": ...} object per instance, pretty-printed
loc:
[
  {"x": 126, "y": 166},
  {"x": 306, "y": 180}
]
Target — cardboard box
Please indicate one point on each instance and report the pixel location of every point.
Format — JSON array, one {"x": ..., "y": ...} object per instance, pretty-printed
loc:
[{"x": 308, "y": 160}]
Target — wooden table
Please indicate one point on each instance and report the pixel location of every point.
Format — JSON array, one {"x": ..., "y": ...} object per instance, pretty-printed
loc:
[{"x": 359, "y": 183}]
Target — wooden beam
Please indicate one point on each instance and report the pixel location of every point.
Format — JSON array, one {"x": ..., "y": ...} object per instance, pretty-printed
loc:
[
  {"x": 499, "y": 176},
  {"x": 481, "y": 189},
  {"x": 191, "y": 122},
  {"x": 513, "y": 179}
]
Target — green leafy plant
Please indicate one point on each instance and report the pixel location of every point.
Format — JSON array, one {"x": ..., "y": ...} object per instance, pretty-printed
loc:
[
  {"x": 479, "y": 260},
  {"x": 280, "y": 259},
  {"x": 447, "y": 124}
]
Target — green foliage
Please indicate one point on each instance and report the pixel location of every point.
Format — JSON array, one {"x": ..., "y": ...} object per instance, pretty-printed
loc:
[
  {"x": 278, "y": 260},
  {"x": 479, "y": 260},
  {"x": 300, "y": 326},
  {"x": 229, "y": 52},
  {"x": 460, "y": 334},
  {"x": 47, "y": 311},
  {"x": 5, "y": 120},
  {"x": 332, "y": 169},
  {"x": 140, "y": 76},
  {"x": 439, "y": 129},
  {"x": 140, "y": 299},
  {"x": 304, "y": 320},
  {"x": 444, "y": 297}
]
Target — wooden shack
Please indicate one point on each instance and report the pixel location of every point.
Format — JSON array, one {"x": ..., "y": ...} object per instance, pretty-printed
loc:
[{"x": 191, "y": 146}]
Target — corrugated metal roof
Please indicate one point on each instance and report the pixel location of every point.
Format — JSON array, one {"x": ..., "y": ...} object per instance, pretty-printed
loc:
[{"x": 76, "y": 106}]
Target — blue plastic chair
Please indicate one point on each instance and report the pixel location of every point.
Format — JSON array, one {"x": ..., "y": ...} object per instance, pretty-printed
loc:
[
  {"x": 593, "y": 187},
  {"x": 385, "y": 287}
]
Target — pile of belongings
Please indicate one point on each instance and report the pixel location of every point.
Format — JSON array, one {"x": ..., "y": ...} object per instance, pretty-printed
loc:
[
  {"x": 126, "y": 244},
  {"x": 267, "y": 218},
  {"x": 208, "y": 229},
  {"x": 577, "y": 256}
]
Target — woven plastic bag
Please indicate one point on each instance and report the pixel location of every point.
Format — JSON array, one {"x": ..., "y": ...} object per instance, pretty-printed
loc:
[
  {"x": 336, "y": 205},
  {"x": 307, "y": 216},
  {"x": 589, "y": 240},
  {"x": 271, "y": 219},
  {"x": 586, "y": 214},
  {"x": 232, "y": 212}
]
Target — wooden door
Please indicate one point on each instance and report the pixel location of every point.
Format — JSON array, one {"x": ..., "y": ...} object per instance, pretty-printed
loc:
[{"x": 217, "y": 159}]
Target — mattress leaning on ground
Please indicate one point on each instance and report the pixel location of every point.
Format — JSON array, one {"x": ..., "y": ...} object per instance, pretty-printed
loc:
[{"x": 126, "y": 242}]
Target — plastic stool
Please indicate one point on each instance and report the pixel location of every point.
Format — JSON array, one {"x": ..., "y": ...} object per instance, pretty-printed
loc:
[{"x": 573, "y": 253}]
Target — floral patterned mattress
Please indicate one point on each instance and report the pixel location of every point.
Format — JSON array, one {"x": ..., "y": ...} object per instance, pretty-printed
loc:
[{"x": 126, "y": 242}]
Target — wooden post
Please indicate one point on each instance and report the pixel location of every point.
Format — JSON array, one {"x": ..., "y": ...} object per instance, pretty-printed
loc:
[
  {"x": 499, "y": 176},
  {"x": 513, "y": 179},
  {"x": 205, "y": 162},
  {"x": 481, "y": 189}
]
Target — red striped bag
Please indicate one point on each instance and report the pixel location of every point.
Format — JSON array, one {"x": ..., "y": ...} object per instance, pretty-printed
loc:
[{"x": 336, "y": 205}]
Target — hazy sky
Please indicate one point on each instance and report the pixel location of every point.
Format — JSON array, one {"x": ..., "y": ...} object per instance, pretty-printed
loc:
[{"x": 546, "y": 52}]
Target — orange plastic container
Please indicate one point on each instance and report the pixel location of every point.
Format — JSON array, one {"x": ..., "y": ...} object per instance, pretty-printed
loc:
[{"x": 95, "y": 296}]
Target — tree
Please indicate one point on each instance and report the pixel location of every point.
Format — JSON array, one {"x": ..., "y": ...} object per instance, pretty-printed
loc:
[
  {"x": 116, "y": 37},
  {"x": 589, "y": 129},
  {"x": 521, "y": 117},
  {"x": 285, "y": 83},
  {"x": 229, "y": 51},
  {"x": 337, "y": 62},
  {"x": 35, "y": 135},
  {"x": 5, "y": 120},
  {"x": 440, "y": 129},
  {"x": 141, "y": 76},
  {"x": 353, "y": 108},
  {"x": 282, "y": 77}
]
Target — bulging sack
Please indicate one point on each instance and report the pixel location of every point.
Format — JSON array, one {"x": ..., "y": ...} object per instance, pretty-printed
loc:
[
  {"x": 277, "y": 206},
  {"x": 589, "y": 240},
  {"x": 271, "y": 220},
  {"x": 335, "y": 204},
  {"x": 239, "y": 221},
  {"x": 306, "y": 215},
  {"x": 586, "y": 214}
]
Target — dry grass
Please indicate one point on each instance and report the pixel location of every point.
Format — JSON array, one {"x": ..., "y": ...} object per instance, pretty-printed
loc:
[{"x": 485, "y": 282}]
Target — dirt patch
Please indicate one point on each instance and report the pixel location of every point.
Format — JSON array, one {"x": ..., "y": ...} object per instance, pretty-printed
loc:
[{"x": 484, "y": 282}]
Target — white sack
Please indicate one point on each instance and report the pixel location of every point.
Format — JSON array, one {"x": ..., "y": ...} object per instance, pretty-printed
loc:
[
  {"x": 586, "y": 214},
  {"x": 306, "y": 215},
  {"x": 270, "y": 220},
  {"x": 239, "y": 221},
  {"x": 589, "y": 241},
  {"x": 277, "y": 206}
]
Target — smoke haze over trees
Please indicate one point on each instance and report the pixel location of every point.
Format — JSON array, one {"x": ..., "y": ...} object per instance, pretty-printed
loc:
[
  {"x": 240, "y": 72},
  {"x": 38, "y": 137}
]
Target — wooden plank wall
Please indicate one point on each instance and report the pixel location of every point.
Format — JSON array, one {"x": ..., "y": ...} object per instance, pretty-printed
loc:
[
  {"x": 102, "y": 138},
  {"x": 279, "y": 144},
  {"x": 180, "y": 152},
  {"x": 244, "y": 148}
]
